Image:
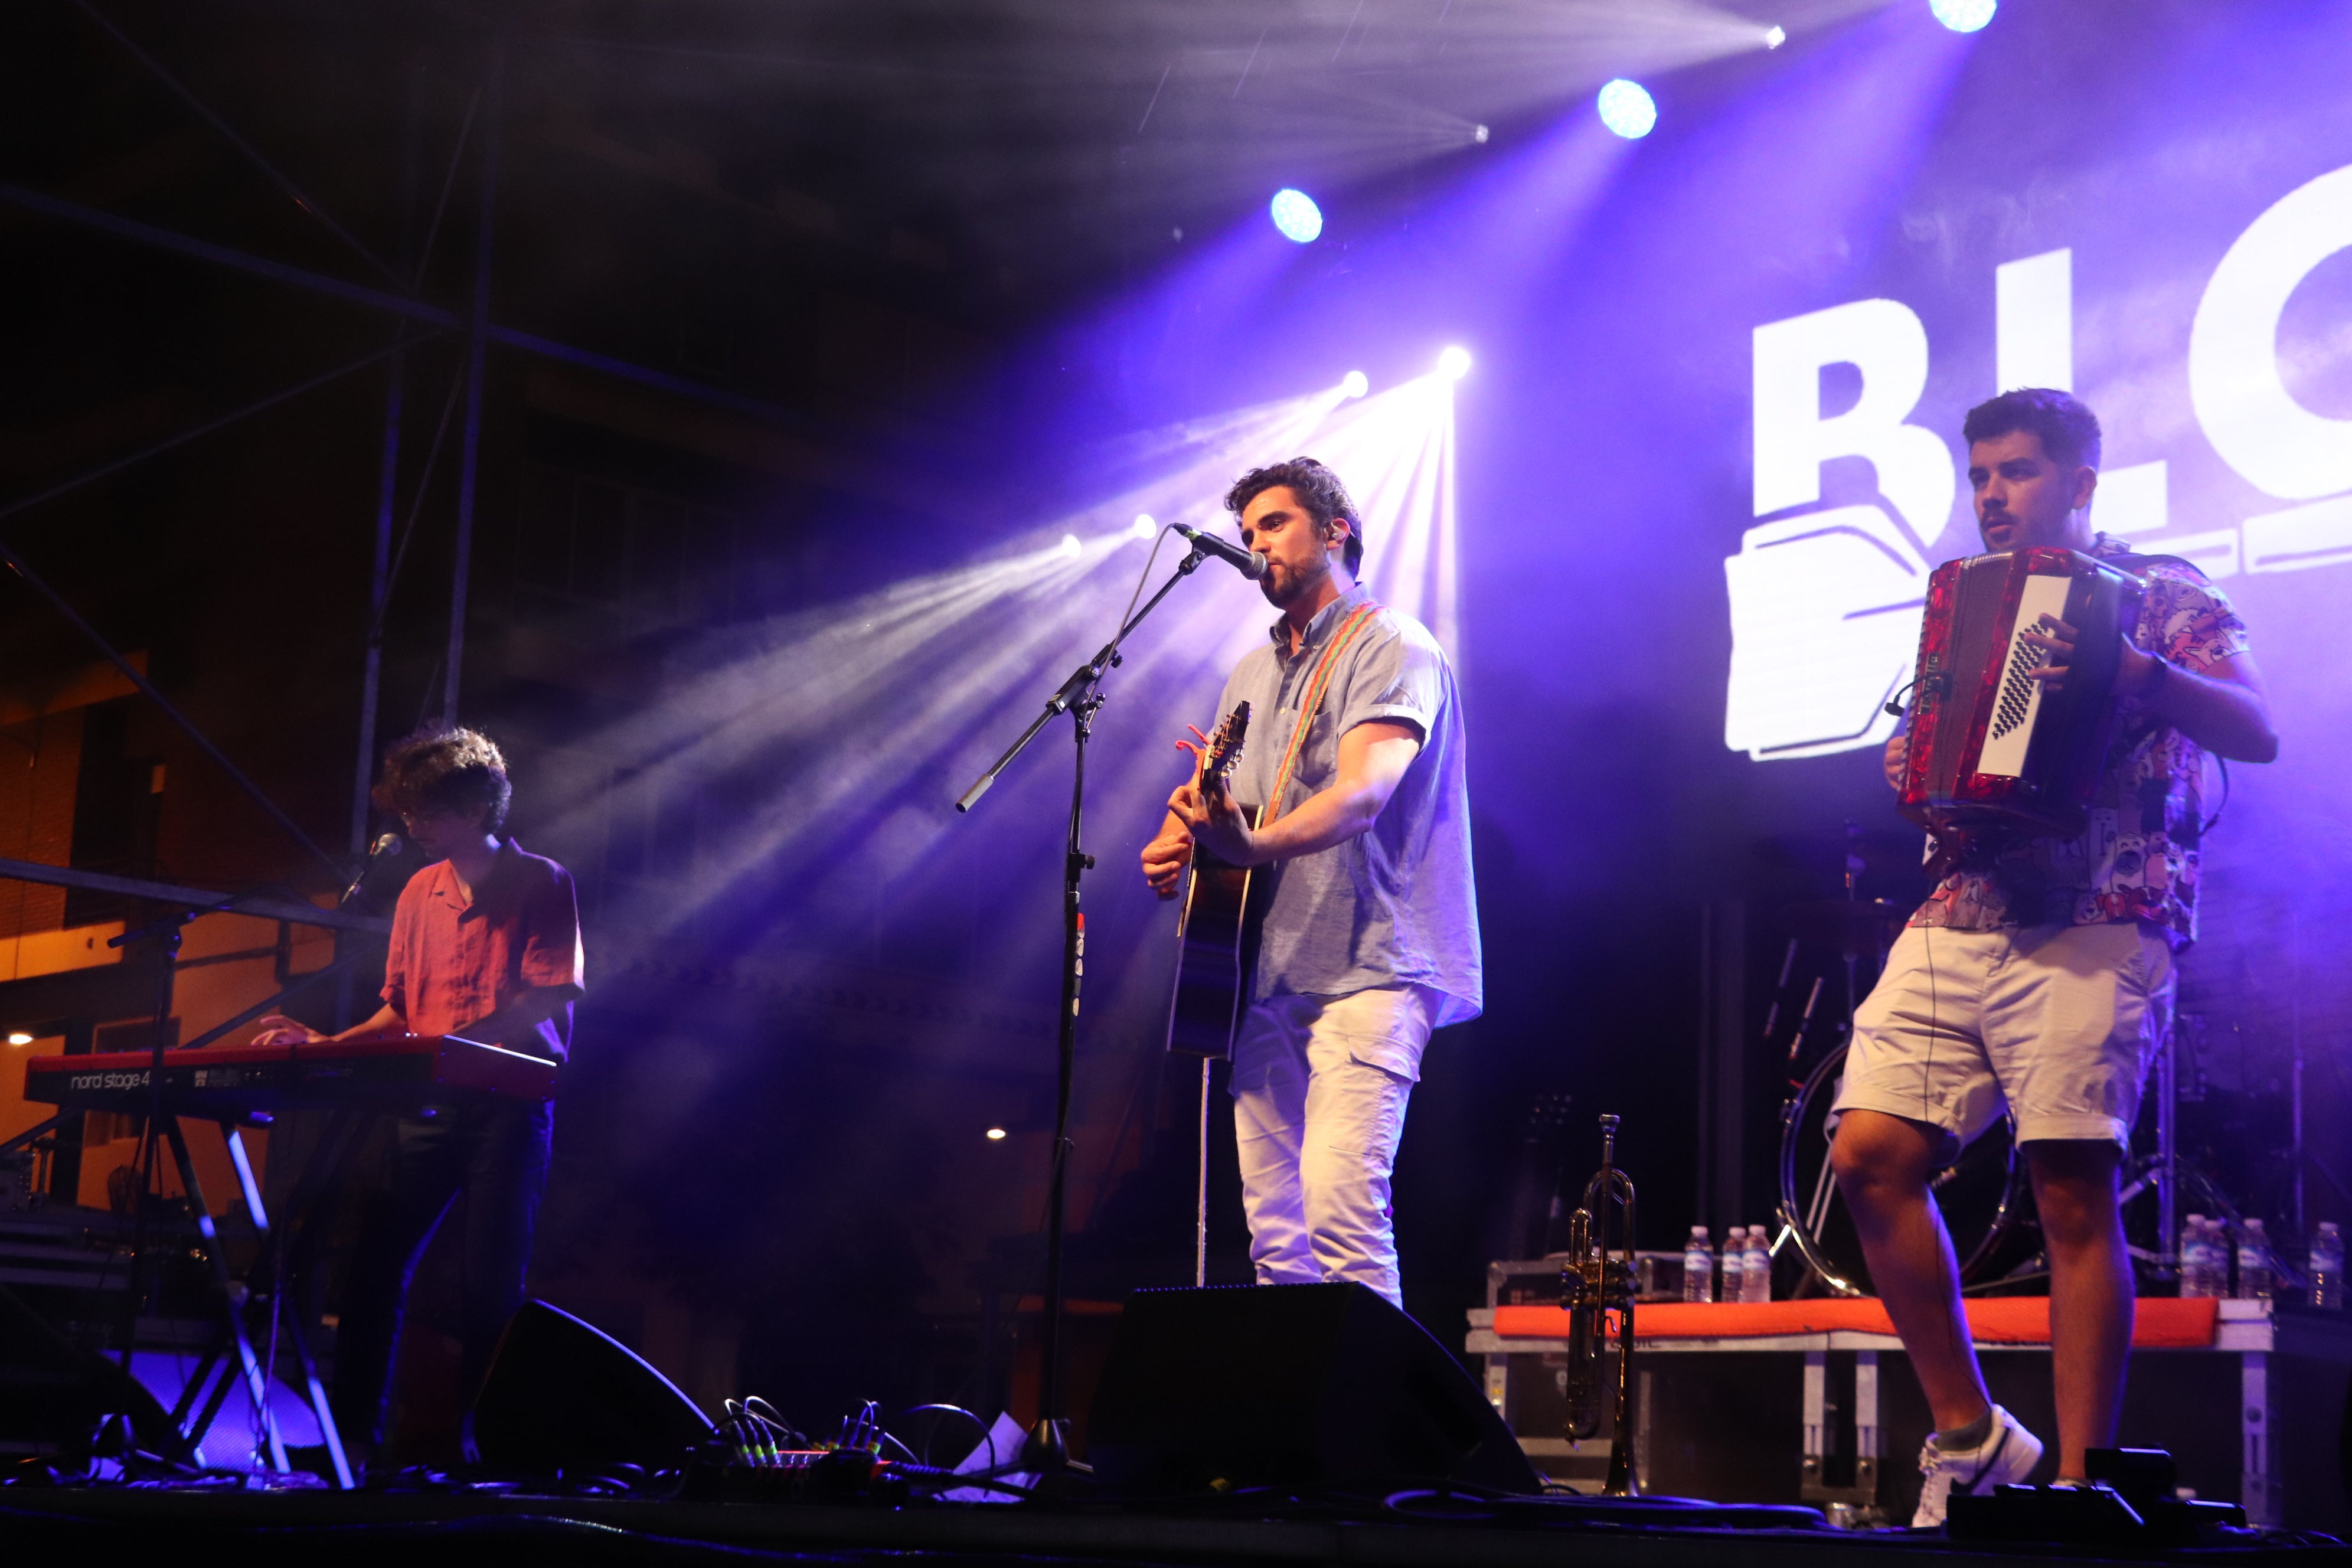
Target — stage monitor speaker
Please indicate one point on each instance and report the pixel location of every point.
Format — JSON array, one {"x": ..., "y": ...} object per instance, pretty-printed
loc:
[
  {"x": 1288, "y": 1385},
  {"x": 53, "y": 1393},
  {"x": 562, "y": 1396}
]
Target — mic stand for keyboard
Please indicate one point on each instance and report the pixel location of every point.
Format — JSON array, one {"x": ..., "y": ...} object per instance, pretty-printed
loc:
[{"x": 1048, "y": 1444}]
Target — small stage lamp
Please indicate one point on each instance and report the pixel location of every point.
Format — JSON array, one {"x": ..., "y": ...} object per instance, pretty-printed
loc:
[
  {"x": 1627, "y": 109},
  {"x": 1296, "y": 215}
]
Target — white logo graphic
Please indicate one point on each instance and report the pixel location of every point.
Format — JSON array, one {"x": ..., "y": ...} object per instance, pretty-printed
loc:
[{"x": 1825, "y": 607}]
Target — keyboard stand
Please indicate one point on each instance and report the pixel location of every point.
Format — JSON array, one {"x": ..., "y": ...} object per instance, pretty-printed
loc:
[{"x": 248, "y": 1366}]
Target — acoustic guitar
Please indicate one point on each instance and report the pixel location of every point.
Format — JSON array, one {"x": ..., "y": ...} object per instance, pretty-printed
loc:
[{"x": 1216, "y": 939}]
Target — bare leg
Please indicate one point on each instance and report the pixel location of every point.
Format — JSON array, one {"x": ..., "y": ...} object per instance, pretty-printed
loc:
[
  {"x": 1883, "y": 1164},
  {"x": 2091, "y": 1290}
]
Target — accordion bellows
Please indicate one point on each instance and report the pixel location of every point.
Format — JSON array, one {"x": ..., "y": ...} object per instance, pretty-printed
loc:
[{"x": 1994, "y": 754}]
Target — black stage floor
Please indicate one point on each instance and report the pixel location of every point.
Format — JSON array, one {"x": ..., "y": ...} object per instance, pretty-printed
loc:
[{"x": 454, "y": 1529}]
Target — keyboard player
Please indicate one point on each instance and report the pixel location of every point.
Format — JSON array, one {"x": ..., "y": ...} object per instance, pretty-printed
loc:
[{"x": 485, "y": 944}]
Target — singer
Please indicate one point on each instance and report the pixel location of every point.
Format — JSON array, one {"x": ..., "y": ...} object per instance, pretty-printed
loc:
[
  {"x": 484, "y": 943},
  {"x": 1370, "y": 937}
]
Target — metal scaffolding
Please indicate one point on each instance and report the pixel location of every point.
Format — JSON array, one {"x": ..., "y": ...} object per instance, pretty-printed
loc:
[{"x": 417, "y": 320}]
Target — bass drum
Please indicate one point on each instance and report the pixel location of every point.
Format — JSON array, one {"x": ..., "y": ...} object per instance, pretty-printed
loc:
[{"x": 1980, "y": 1196}]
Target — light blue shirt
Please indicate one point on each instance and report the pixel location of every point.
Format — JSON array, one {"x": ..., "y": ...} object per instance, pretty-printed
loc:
[{"x": 1394, "y": 905}]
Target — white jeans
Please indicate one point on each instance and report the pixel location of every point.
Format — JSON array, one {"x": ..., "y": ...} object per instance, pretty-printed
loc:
[{"x": 1319, "y": 1089}]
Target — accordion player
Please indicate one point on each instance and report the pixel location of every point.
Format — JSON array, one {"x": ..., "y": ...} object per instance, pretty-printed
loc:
[{"x": 1995, "y": 755}]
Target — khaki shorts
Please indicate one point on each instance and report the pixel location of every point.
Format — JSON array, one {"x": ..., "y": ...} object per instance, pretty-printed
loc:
[{"x": 2057, "y": 1023}]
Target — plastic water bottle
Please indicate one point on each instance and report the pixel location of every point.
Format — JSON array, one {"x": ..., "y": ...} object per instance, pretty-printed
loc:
[
  {"x": 2253, "y": 1263},
  {"x": 1756, "y": 1266},
  {"x": 1732, "y": 1266},
  {"x": 2217, "y": 1258},
  {"x": 1698, "y": 1267},
  {"x": 2328, "y": 1267},
  {"x": 2196, "y": 1267}
]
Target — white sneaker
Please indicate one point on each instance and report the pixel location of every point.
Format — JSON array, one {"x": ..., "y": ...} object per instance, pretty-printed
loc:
[{"x": 2004, "y": 1459}]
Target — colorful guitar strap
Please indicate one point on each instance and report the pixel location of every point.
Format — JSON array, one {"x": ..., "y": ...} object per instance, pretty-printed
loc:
[{"x": 1342, "y": 638}]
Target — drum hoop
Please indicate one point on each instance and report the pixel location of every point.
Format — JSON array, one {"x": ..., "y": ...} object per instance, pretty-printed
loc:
[{"x": 1809, "y": 1249}]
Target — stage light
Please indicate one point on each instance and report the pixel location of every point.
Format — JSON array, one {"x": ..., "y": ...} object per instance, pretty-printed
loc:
[
  {"x": 1396, "y": 446},
  {"x": 1454, "y": 362},
  {"x": 884, "y": 675},
  {"x": 1145, "y": 525},
  {"x": 996, "y": 1134},
  {"x": 1775, "y": 37},
  {"x": 1964, "y": 15},
  {"x": 1480, "y": 135},
  {"x": 18, "y": 1038},
  {"x": 1627, "y": 109},
  {"x": 1354, "y": 384},
  {"x": 1296, "y": 215}
]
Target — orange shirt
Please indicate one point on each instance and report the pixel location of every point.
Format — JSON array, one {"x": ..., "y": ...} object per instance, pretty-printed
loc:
[{"x": 454, "y": 962}]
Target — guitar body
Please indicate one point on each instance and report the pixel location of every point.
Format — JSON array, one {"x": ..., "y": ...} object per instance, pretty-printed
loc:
[
  {"x": 1216, "y": 939},
  {"x": 1216, "y": 956}
]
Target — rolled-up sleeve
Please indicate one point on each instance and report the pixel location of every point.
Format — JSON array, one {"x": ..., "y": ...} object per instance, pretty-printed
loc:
[
  {"x": 2200, "y": 627},
  {"x": 1399, "y": 679},
  {"x": 552, "y": 953}
]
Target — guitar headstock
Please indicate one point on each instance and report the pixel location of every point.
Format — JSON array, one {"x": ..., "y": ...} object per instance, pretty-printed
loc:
[{"x": 1225, "y": 748}]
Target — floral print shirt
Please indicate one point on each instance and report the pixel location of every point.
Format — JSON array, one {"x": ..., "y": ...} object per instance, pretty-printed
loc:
[{"x": 2138, "y": 857}]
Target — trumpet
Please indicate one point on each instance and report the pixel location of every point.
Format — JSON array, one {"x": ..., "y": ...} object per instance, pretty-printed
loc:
[{"x": 1593, "y": 1285}]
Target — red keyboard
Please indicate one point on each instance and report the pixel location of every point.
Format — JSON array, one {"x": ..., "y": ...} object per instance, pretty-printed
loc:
[{"x": 229, "y": 1080}]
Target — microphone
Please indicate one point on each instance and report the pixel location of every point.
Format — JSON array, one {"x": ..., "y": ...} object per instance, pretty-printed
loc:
[
  {"x": 390, "y": 844},
  {"x": 1250, "y": 564}
]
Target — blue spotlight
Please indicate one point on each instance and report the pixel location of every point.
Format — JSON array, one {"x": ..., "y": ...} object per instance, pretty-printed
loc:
[
  {"x": 1296, "y": 215},
  {"x": 1354, "y": 384},
  {"x": 1627, "y": 109},
  {"x": 1964, "y": 15},
  {"x": 1454, "y": 362},
  {"x": 1775, "y": 37}
]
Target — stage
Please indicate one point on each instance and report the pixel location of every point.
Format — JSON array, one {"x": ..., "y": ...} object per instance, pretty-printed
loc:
[
  {"x": 270, "y": 1529},
  {"x": 736, "y": 730}
]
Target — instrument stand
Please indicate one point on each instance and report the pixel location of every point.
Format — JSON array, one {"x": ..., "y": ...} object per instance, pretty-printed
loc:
[
  {"x": 2166, "y": 1169},
  {"x": 1200, "y": 1192},
  {"x": 1048, "y": 1444},
  {"x": 162, "y": 1129},
  {"x": 272, "y": 1264}
]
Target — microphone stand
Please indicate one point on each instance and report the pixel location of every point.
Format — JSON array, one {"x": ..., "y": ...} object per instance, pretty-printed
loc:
[{"x": 1048, "y": 1444}]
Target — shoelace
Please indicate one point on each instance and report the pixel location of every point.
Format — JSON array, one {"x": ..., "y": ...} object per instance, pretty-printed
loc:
[{"x": 1931, "y": 1458}]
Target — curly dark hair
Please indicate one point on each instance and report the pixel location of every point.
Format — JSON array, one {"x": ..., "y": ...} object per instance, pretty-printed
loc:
[
  {"x": 446, "y": 769},
  {"x": 2069, "y": 431},
  {"x": 1318, "y": 490}
]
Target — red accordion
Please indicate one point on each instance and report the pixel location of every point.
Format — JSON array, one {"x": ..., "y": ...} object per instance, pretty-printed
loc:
[{"x": 1992, "y": 754}]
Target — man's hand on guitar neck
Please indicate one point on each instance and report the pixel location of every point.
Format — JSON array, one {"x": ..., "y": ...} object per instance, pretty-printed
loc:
[
  {"x": 1213, "y": 820},
  {"x": 1372, "y": 759},
  {"x": 1165, "y": 857}
]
